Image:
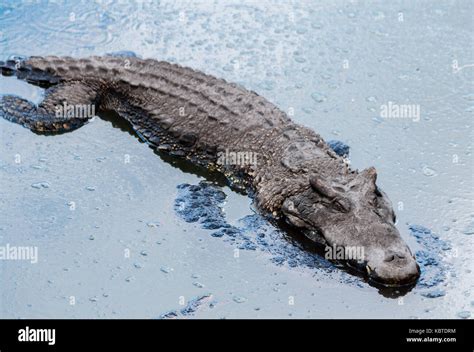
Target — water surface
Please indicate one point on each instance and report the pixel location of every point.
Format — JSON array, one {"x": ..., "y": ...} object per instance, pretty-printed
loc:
[{"x": 100, "y": 205}]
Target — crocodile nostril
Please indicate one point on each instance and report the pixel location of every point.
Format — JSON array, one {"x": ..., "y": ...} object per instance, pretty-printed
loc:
[{"x": 394, "y": 256}]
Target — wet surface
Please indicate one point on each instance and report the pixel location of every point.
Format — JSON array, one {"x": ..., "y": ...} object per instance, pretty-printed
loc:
[{"x": 123, "y": 231}]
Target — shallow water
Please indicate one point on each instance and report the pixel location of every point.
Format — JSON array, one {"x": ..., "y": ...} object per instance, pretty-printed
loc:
[{"x": 103, "y": 208}]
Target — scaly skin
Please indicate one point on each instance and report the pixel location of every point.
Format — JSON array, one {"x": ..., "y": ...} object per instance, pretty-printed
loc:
[{"x": 295, "y": 176}]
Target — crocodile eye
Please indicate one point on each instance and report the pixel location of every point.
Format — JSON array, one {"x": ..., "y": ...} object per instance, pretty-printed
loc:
[
  {"x": 341, "y": 205},
  {"x": 321, "y": 187}
]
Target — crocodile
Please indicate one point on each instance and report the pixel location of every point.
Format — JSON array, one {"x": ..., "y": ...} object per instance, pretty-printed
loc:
[{"x": 288, "y": 169}]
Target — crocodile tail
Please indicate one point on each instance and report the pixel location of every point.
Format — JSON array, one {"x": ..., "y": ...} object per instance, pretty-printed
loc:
[
  {"x": 67, "y": 68},
  {"x": 51, "y": 70},
  {"x": 68, "y": 102},
  {"x": 21, "y": 67}
]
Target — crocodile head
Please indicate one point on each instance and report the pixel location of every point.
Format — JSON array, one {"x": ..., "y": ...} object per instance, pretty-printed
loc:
[{"x": 357, "y": 222}]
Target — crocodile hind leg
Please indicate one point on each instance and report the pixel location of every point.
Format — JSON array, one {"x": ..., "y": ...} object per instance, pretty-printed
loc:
[{"x": 66, "y": 106}]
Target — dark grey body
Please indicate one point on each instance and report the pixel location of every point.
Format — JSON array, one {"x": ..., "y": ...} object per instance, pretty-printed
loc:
[{"x": 296, "y": 175}]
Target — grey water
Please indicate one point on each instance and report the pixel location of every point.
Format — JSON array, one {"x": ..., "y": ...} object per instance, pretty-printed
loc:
[{"x": 112, "y": 227}]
